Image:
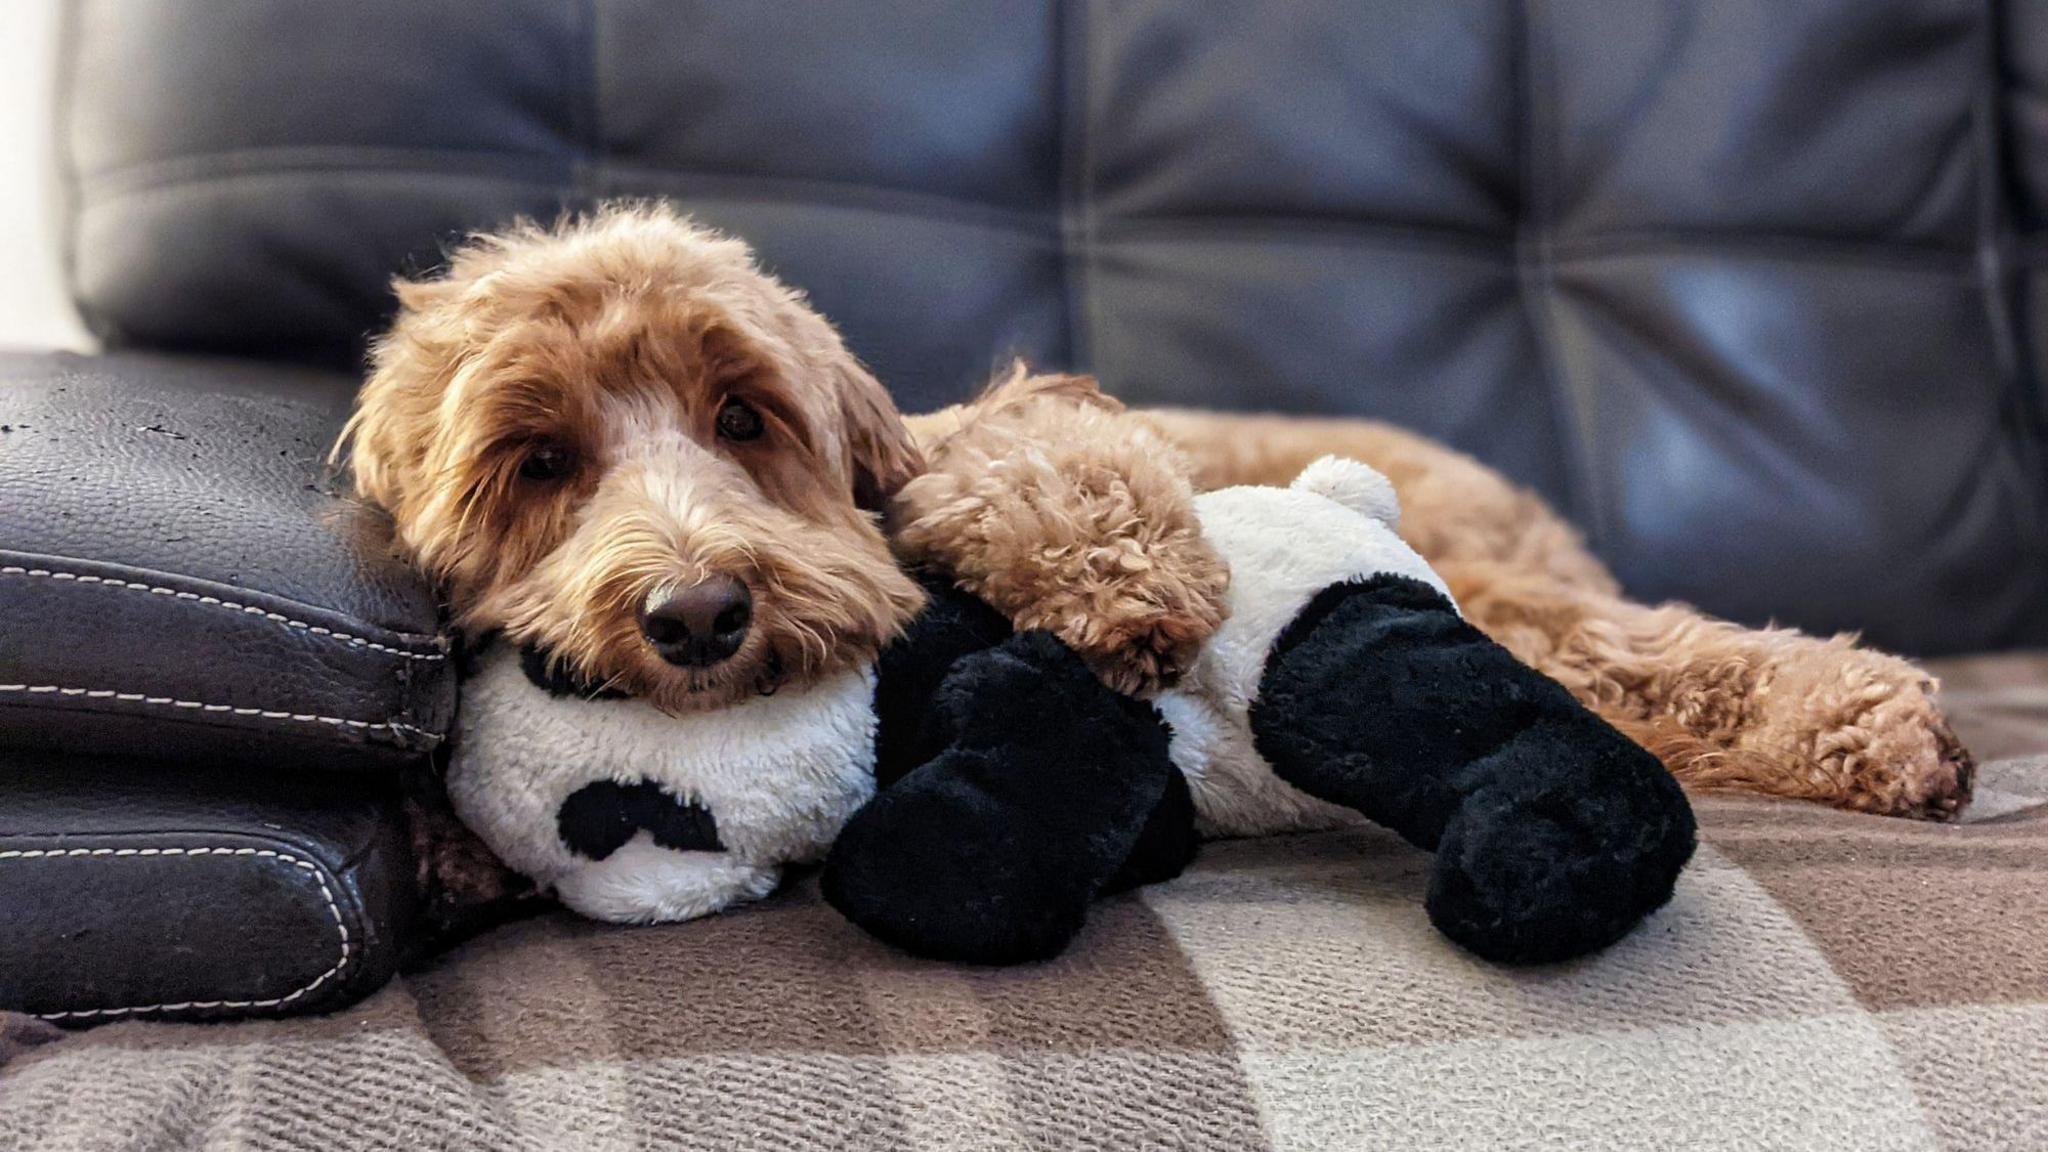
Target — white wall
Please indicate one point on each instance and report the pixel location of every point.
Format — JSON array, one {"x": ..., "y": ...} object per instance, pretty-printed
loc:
[{"x": 34, "y": 311}]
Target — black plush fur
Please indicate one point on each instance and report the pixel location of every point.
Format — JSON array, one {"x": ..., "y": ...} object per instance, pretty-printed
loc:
[
  {"x": 1554, "y": 833},
  {"x": 598, "y": 818},
  {"x": 1167, "y": 843},
  {"x": 1015, "y": 787},
  {"x": 558, "y": 679},
  {"x": 990, "y": 851},
  {"x": 908, "y": 674}
]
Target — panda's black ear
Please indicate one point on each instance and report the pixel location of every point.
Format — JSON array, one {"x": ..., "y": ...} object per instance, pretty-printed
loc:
[{"x": 557, "y": 678}]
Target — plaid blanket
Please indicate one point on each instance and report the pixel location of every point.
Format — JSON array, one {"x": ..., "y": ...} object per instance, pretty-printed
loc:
[{"x": 1821, "y": 981}]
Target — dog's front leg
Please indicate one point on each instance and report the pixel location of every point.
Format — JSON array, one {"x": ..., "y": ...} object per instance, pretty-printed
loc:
[
  {"x": 1768, "y": 710},
  {"x": 1071, "y": 516}
]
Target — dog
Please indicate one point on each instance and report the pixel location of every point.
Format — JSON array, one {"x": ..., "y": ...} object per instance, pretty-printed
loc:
[{"x": 620, "y": 440}]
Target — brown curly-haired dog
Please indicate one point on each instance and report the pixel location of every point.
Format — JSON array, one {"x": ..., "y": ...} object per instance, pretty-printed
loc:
[
  {"x": 1771, "y": 711},
  {"x": 621, "y": 441}
]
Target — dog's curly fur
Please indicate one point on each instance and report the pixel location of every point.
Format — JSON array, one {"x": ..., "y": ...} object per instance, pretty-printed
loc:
[
  {"x": 612, "y": 344},
  {"x": 1043, "y": 500},
  {"x": 614, "y": 339}
]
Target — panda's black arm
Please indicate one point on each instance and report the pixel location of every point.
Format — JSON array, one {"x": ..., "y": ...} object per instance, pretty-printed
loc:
[
  {"x": 1554, "y": 832},
  {"x": 1046, "y": 788},
  {"x": 953, "y": 626}
]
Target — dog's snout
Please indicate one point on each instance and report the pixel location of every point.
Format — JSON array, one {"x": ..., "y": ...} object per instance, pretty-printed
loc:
[{"x": 698, "y": 626}]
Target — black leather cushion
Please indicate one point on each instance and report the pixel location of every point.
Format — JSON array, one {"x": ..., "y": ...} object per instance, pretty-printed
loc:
[
  {"x": 178, "y": 579},
  {"x": 127, "y": 891},
  {"x": 1732, "y": 281},
  {"x": 2026, "y": 107}
]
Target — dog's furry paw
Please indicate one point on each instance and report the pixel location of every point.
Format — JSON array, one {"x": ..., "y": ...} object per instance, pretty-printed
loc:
[
  {"x": 1136, "y": 613},
  {"x": 1866, "y": 727},
  {"x": 1898, "y": 753},
  {"x": 1075, "y": 520}
]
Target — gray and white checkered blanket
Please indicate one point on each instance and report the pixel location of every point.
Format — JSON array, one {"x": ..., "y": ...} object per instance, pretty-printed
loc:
[{"x": 1821, "y": 981}]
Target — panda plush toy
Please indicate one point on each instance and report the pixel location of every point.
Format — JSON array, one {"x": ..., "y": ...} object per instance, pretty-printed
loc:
[{"x": 975, "y": 790}]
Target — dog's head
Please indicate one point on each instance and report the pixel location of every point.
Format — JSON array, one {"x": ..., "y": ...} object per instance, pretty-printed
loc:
[{"x": 621, "y": 441}]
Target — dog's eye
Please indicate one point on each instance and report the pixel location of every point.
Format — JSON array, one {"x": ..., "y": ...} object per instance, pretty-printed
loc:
[
  {"x": 548, "y": 462},
  {"x": 736, "y": 421}
]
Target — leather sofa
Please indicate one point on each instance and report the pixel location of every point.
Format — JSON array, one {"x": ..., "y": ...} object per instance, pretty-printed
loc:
[{"x": 1756, "y": 292}]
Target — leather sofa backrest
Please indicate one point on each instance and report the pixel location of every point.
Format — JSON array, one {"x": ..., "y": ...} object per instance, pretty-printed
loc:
[{"x": 1755, "y": 290}]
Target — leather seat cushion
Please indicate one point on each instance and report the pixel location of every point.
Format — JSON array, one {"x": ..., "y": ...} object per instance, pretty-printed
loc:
[
  {"x": 180, "y": 577},
  {"x": 209, "y": 893}
]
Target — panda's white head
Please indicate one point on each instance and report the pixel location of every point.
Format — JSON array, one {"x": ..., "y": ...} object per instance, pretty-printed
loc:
[{"x": 628, "y": 813}]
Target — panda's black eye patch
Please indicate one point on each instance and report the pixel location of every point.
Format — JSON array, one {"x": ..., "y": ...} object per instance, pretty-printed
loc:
[
  {"x": 599, "y": 818},
  {"x": 558, "y": 679}
]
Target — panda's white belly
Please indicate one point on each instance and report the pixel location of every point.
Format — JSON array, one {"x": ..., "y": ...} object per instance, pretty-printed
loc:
[
  {"x": 1234, "y": 788},
  {"x": 1278, "y": 563}
]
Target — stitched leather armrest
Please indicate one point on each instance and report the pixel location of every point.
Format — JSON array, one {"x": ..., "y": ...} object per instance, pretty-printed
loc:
[
  {"x": 180, "y": 579},
  {"x": 204, "y": 894}
]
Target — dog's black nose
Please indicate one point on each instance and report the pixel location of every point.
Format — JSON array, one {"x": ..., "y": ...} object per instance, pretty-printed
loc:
[{"x": 698, "y": 626}]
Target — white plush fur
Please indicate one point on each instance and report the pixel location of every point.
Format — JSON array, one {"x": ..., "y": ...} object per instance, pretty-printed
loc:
[
  {"x": 1333, "y": 525},
  {"x": 1356, "y": 486},
  {"x": 780, "y": 775},
  {"x": 644, "y": 883}
]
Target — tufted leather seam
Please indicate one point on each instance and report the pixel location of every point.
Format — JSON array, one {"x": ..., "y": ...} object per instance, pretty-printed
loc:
[
  {"x": 1029, "y": 224},
  {"x": 216, "y": 709},
  {"x": 1072, "y": 47},
  {"x": 1993, "y": 237},
  {"x": 173, "y": 170},
  {"x": 1999, "y": 257},
  {"x": 217, "y": 602},
  {"x": 319, "y": 876},
  {"x": 1473, "y": 243},
  {"x": 1822, "y": 251},
  {"x": 1536, "y": 284},
  {"x": 992, "y": 217}
]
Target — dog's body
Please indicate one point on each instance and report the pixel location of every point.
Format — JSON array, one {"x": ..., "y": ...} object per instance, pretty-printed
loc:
[
  {"x": 623, "y": 442},
  {"x": 1762, "y": 710}
]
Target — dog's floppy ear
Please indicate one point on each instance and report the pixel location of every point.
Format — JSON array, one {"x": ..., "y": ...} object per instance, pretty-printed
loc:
[
  {"x": 385, "y": 438},
  {"x": 883, "y": 456}
]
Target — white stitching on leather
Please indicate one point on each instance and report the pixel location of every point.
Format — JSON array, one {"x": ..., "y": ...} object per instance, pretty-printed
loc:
[
  {"x": 319, "y": 876},
  {"x": 228, "y": 709},
  {"x": 217, "y": 602}
]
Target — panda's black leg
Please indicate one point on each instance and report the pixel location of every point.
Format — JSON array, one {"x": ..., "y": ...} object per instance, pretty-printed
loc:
[
  {"x": 990, "y": 851},
  {"x": 1167, "y": 843},
  {"x": 1554, "y": 833}
]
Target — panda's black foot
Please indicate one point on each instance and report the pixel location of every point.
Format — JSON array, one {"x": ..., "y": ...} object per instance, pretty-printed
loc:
[
  {"x": 941, "y": 869},
  {"x": 1554, "y": 833},
  {"x": 1561, "y": 856},
  {"x": 990, "y": 852}
]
